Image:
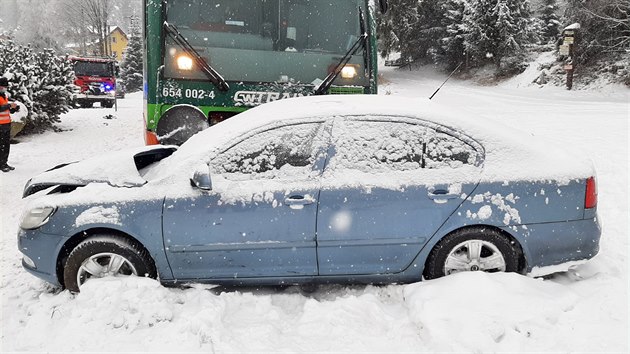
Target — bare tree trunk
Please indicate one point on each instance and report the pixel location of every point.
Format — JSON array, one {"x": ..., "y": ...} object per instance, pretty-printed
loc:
[{"x": 89, "y": 20}]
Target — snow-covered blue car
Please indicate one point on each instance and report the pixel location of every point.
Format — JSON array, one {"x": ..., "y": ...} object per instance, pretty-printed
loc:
[{"x": 343, "y": 189}]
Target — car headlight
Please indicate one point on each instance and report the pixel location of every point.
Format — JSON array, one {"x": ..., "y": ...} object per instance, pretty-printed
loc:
[
  {"x": 184, "y": 62},
  {"x": 36, "y": 217},
  {"x": 349, "y": 72}
]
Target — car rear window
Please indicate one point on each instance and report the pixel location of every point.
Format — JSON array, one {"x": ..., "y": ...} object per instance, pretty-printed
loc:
[{"x": 380, "y": 146}]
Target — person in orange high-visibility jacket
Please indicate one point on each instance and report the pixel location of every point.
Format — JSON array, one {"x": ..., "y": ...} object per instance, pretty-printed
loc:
[{"x": 6, "y": 109}]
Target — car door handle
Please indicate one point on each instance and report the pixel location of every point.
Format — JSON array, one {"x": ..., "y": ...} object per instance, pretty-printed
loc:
[
  {"x": 441, "y": 194},
  {"x": 299, "y": 200}
]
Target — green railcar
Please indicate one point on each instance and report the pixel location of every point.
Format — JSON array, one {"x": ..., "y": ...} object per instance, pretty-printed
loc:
[{"x": 207, "y": 60}]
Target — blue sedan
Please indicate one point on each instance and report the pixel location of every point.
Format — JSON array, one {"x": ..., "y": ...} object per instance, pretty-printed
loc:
[{"x": 343, "y": 189}]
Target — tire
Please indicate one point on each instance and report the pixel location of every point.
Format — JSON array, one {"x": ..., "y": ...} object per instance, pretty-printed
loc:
[
  {"x": 86, "y": 105},
  {"x": 495, "y": 253},
  {"x": 95, "y": 256},
  {"x": 107, "y": 104},
  {"x": 179, "y": 123}
]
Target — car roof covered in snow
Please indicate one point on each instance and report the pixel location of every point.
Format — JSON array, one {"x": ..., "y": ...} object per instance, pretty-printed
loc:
[{"x": 511, "y": 154}]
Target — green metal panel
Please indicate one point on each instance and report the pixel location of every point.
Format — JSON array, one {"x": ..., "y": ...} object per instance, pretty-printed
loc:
[
  {"x": 161, "y": 94},
  {"x": 346, "y": 90}
]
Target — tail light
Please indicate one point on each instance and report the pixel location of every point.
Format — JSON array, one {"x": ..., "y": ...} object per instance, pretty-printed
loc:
[{"x": 590, "y": 200}]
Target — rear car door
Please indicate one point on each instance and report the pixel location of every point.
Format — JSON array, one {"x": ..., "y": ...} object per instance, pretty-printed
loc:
[
  {"x": 388, "y": 186},
  {"x": 259, "y": 219}
]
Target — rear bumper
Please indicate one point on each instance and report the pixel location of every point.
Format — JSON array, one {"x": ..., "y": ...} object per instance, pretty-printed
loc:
[{"x": 549, "y": 245}]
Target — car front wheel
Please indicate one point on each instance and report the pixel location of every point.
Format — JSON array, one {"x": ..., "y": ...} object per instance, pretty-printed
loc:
[
  {"x": 478, "y": 249},
  {"x": 103, "y": 256}
]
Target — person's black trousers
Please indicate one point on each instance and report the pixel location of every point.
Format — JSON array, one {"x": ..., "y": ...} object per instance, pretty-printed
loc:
[{"x": 5, "y": 143}]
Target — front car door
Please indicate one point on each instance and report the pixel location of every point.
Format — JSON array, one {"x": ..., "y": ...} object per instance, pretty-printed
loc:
[
  {"x": 259, "y": 218},
  {"x": 390, "y": 183}
]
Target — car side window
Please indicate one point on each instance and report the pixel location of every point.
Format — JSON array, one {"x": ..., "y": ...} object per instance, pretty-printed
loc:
[
  {"x": 380, "y": 146},
  {"x": 444, "y": 150},
  {"x": 287, "y": 151}
]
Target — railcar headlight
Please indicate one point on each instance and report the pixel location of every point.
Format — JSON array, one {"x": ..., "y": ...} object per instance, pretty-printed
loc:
[
  {"x": 36, "y": 217},
  {"x": 349, "y": 72},
  {"x": 184, "y": 62}
]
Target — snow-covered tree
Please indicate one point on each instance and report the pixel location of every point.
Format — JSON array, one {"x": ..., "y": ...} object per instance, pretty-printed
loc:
[
  {"x": 496, "y": 28},
  {"x": 429, "y": 29},
  {"x": 50, "y": 88},
  {"x": 412, "y": 27},
  {"x": 452, "y": 43},
  {"x": 605, "y": 27},
  {"x": 131, "y": 67},
  {"x": 455, "y": 31},
  {"x": 396, "y": 27},
  {"x": 550, "y": 20},
  {"x": 42, "y": 81}
]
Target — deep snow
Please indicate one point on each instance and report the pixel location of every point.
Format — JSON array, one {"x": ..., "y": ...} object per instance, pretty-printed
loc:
[{"x": 580, "y": 311}]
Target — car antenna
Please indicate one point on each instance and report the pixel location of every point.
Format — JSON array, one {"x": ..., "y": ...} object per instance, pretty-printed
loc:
[{"x": 444, "y": 83}]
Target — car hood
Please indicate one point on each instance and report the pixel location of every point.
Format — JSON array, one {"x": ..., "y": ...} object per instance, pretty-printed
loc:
[{"x": 118, "y": 169}]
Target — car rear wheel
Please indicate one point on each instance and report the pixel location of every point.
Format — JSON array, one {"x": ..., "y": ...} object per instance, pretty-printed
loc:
[
  {"x": 478, "y": 249},
  {"x": 104, "y": 256}
]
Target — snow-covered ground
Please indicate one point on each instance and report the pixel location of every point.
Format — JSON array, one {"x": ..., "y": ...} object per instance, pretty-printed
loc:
[{"x": 581, "y": 311}]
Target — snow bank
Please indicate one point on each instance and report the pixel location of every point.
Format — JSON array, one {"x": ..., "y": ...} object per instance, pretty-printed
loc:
[
  {"x": 480, "y": 300},
  {"x": 462, "y": 313}
]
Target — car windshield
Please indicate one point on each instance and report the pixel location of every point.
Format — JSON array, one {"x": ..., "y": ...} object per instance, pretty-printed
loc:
[
  {"x": 266, "y": 40},
  {"x": 87, "y": 68}
]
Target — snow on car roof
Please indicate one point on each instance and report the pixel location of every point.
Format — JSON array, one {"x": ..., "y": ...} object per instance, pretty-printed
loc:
[
  {"x": 319, "y": 106},
  {"x": 510, "y": 154}
]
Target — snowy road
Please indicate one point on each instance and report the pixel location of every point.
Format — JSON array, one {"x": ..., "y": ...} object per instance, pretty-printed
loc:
[{"x": 583, "y": 311}]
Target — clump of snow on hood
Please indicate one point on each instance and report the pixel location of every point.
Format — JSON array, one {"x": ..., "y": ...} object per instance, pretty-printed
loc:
[{"x": 115, "y": 168}]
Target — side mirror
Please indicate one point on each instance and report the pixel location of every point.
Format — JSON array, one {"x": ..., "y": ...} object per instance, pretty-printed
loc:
[
  {"x": 383, "y": 5},
  {"x": 201, "y": 178}
]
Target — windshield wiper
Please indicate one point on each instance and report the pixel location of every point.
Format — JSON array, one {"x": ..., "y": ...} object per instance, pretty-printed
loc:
[
  {"x": 208, "y": 70},
  {"x": 328, "y": 81}
]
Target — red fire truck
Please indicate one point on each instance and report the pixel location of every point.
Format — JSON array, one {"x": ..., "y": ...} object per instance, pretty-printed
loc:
[{"x": 96, "y": 78}]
